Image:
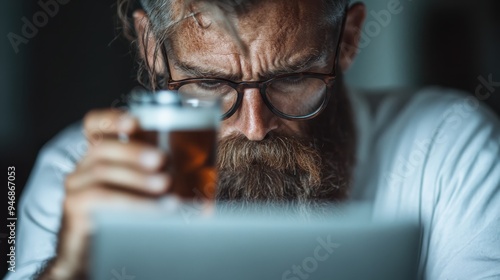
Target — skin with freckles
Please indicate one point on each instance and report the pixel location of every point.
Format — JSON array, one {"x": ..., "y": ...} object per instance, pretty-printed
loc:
[{"x": 276, "y": 44}]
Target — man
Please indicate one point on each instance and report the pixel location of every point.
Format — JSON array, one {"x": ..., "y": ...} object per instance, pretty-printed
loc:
[{"x": 432, "y": 156}]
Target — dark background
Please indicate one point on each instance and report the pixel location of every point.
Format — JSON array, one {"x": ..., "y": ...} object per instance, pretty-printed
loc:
[
  {"x": 72, "y": 65},
  {"x": 75, "y": 64}
]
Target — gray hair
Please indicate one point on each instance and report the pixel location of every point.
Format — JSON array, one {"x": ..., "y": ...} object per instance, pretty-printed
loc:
[{"x": 164, "y": 16}]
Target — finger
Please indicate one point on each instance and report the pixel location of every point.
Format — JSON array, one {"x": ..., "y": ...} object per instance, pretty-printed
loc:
[
  {"x": 109, "y": 122},
  {"x": 120, "y": 177},
  {"x": 135, "y": 154}
]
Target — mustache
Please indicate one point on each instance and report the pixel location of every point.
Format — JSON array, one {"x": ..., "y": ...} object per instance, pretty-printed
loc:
[
  {"x": 284, "y": 154},
  {"x": 279, "y": 169}
]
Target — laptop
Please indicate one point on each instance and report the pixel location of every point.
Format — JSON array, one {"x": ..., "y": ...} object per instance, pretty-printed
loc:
[{"x": 142, "y": 245}]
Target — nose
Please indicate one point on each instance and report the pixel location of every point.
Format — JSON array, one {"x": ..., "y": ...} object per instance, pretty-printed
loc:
[{"x": 254, "y": 119}]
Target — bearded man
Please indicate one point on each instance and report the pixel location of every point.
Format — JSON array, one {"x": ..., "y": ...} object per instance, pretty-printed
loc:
[{"x": 432, "y": 155}]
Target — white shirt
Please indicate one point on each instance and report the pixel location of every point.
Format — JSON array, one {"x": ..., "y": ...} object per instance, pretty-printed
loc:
[{"x": 433, "y": 156}]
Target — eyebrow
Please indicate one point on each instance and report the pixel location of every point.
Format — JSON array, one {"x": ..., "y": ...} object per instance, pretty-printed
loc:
[
  {"x": 201, "y": 72},
  {"x": 196, "y": 71}
]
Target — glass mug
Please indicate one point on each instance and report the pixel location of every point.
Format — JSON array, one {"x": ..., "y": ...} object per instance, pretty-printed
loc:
[{"x": 186, "y": 129}]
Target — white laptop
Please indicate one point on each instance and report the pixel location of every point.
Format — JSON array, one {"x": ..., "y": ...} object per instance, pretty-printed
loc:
[{"x": 143, "y": 245}]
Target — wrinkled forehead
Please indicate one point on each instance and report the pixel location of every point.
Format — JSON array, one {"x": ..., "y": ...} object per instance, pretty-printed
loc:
[
  {"x": 281, "y": 27},
  {"x": 276, "y": 23},
  {"x": 164, "y": 12}
]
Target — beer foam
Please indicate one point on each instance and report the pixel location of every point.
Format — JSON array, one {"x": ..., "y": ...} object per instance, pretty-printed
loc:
[{"x": 176, "y": 118}]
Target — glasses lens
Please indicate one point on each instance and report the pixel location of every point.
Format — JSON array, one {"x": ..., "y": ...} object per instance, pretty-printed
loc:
[
  {"x": 296, "y": 96},
  {"x": 209, "y": 89}
]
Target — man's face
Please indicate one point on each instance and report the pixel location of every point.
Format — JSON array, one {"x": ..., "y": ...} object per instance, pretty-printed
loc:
[
  {"x": 261, "y": 157},
  {"x": 281, "y": 36}
]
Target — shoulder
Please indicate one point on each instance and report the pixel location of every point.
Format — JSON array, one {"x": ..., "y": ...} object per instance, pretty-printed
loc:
[
  {"x": 69, "y": 142},
  {"x": 438, "y": 114},
  {"x": 40, "y": 208},
  {"x": 44, "y": 190},
  {"x": 431, "y": 103},
  {"x": 59, "y": 156},
  {"x": 63, "y": 151},
  {"x": 434, "y": 154},
  {"x": 416, "y": 139}
]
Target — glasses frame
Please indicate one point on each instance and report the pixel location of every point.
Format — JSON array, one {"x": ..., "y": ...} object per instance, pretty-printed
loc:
[{"x": 328, "y": 79}]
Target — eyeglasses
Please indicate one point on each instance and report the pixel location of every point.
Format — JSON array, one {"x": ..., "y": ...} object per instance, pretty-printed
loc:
[{"x": 295, "y": 96}]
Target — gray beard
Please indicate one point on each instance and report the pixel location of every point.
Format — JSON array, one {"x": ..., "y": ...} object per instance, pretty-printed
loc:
[{"x": 290, "y": 173}]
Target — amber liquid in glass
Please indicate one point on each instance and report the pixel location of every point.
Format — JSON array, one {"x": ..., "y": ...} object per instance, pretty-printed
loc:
[{"x": 191, "y": 160}]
